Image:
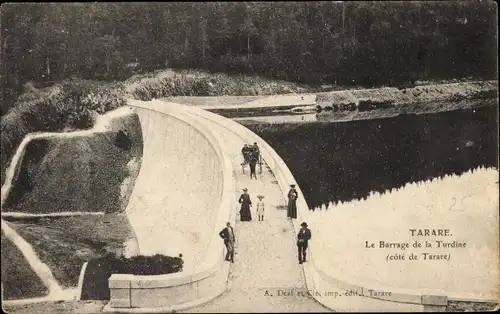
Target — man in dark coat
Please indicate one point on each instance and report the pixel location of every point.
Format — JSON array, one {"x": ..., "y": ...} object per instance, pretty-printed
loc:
[
  {"x": 253, "y": 163},
  {"x": 254, "y": 159},
  {"x": 292, "y": 202},
  {"x": 245, "y": 151},
  {"x": 255, "y": 148},
  {"x": 244, "y": 200},
  {"x": 228, "y": 235},
  {"x": 303, "y": 237}
]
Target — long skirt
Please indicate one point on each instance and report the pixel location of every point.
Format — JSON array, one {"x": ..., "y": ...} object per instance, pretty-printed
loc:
[
  {"x": 292, "y": 209},
  {"x": 245, "y": 213}
]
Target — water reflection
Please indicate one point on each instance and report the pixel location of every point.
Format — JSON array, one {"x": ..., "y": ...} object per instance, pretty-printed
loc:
[{"x": 343, "y": 161}]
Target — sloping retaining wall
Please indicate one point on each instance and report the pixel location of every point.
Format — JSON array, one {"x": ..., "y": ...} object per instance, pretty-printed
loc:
[{"x": 208, "y": 278}]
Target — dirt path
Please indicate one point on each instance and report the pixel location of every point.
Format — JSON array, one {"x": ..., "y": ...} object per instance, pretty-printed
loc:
[{"x": 265, "y": 259}]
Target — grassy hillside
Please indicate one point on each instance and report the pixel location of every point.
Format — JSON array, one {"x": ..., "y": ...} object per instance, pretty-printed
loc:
[
  {"x": 89, "y": 171},
  {"x": 72, "y": 104},
  {"x": 16, "y": 270},
  {"x": 166, "y": 83},
  {"x": 64, "y": 244}
]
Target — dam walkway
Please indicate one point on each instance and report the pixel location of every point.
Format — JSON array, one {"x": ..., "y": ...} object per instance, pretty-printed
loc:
[{"x": 266, "y": 276}]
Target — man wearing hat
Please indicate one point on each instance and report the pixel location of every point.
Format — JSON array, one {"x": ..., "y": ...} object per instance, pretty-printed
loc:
[
  {"x": 303, "y": 237},
  {"x": 244, "y": 200},
  {"x": 256, "y": 149},
  {"x": 292, "y": 202},
  {"x": 260, "y": 208},
  {"x": 245, "y": 151},
  {"x": 228, "y": 235}
]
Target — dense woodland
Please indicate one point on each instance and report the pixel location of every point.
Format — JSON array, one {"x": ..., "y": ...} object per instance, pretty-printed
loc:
[{"x": 344, "y": 43}]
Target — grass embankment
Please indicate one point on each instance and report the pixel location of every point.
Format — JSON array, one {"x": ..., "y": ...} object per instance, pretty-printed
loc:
[
  {"x": 80, "y": 174},
  {"x": 16, "y": 270},
  {"x": 68, "y": 106},
  {"x": 167, "y": 83},
  {"x": 64, "y": 244},
  {"x": 75, "y": 174}
]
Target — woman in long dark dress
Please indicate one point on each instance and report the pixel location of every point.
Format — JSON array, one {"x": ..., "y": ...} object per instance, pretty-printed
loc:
[
  {"x": 245, "y": 213},
  {"x": 292, "y": 202}
]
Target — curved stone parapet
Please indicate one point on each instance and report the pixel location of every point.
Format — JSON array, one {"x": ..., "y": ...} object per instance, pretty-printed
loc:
[
  {"x": 183, "y": 196},
  {"x": 208, "y": 280},
  {"x": 331, "y": 289}
]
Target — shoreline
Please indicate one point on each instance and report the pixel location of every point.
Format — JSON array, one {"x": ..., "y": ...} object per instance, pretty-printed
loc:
[
  {"x": 419, "y": 93},
  {"x": 349, "y": 104},
  {"x": 348, "y": 116}
]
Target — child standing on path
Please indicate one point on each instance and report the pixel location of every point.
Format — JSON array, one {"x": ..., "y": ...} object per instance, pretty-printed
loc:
[{"x": 260, "y": 208}]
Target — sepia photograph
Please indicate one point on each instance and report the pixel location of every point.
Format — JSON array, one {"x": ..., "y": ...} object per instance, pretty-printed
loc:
[{"x": 249, "y": 157}]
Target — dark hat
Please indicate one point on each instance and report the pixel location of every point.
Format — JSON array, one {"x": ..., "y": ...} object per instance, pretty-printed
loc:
[
  {"x": 304, "y": 224},
  {"x": 260, "y": 196},
  {"x": 245, "y": 189},
  {"x": 292, "y": 185}
]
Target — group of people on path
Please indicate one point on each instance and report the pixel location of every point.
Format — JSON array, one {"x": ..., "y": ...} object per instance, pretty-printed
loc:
[
  {"x": 303, "y": 236},
  {"x": 246, "y": 203},
  {"x": 251, "y": 155}
]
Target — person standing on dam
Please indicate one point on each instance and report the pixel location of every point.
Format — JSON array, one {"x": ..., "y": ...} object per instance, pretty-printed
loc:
[
  {"x": 260, "y": 208},
  {"x": 254, "y": 158},
  {"x": 229, "y": 239},
  {"x": 253, "y": 164},
  {"x": 292, "y": 202},
  {"x": 303, "y": 238},
  {"x": 255, "y": 149},
  {"x": 244, "y": 200},
  {"x": 245, "y": 151}
]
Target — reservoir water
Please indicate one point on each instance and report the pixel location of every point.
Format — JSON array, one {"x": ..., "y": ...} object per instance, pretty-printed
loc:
[{"x": 344, "y": 161}]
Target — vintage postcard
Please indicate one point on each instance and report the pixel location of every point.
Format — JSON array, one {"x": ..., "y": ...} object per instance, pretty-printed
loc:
[{"x": 244, "y": 157}]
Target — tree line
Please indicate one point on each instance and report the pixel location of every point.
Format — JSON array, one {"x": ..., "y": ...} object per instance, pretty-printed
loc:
[{"x": 334, "y": 42}]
